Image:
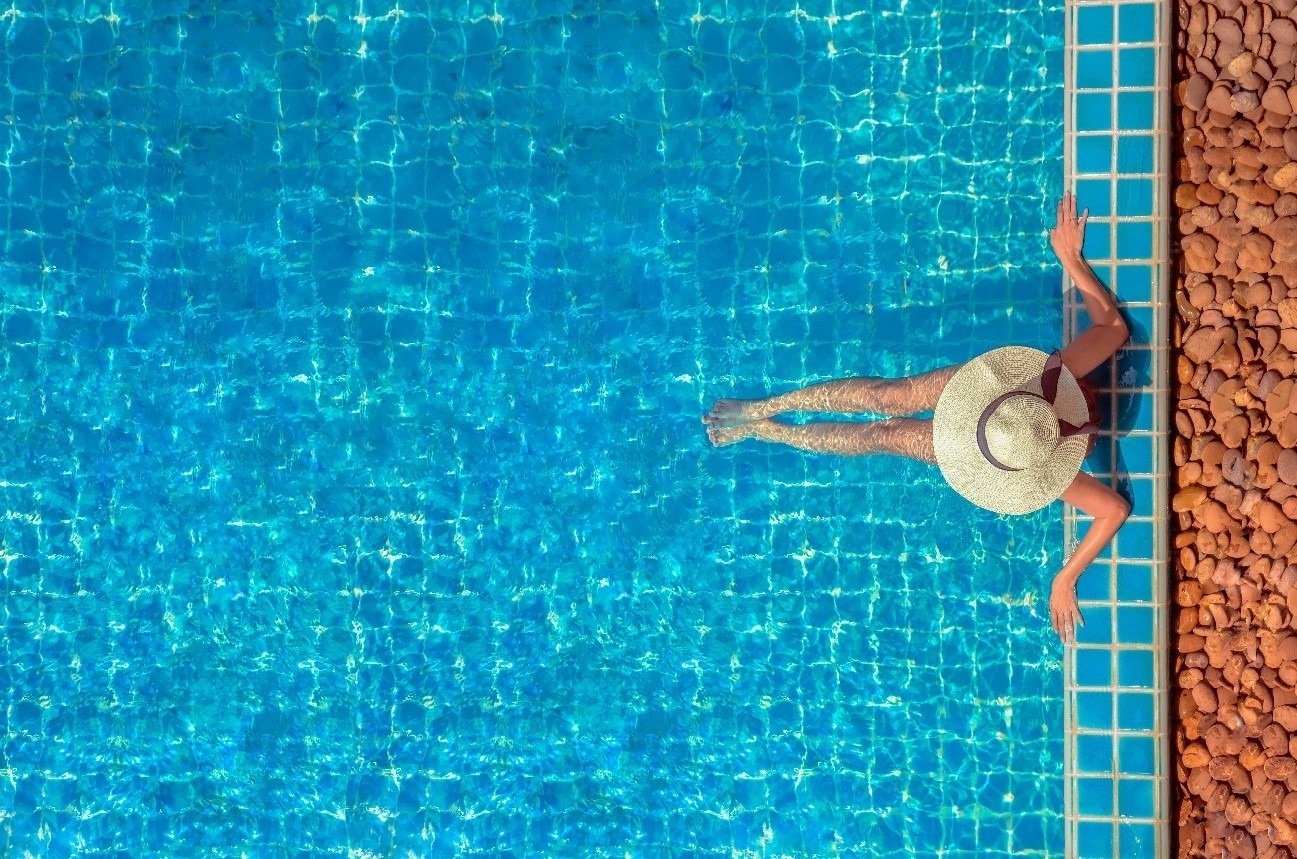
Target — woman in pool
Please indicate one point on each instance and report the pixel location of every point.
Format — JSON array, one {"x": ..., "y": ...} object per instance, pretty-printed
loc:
[{"x": 1008, "y": 432}]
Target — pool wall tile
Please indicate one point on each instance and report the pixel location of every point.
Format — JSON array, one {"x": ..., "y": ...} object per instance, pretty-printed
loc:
[{"x": 1116, "y": 157}]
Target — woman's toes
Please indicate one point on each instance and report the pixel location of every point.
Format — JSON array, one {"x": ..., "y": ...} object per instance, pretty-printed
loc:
[
  {"x": 722, "y": 436},
  {"x": 727, "y": 413}
]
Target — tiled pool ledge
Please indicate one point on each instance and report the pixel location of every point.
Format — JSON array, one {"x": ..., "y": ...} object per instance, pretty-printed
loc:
[{"x": 1116, "y": 157}]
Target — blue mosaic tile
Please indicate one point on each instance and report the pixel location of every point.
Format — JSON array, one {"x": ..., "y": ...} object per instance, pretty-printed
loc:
[
  {"x": 1137, "y": 450},
  {"x": 1094, "y": 796},
  {"x": 1135, "y": 625},
  {"x": 1135, "y": 196},
  {"x": 1131, "y": 454},
  {"x": 1134, "y": 283},
  {"x": 1136, "y": 66},
  {"x": 1136, "y": 22},
  {"x": 1133, "y": 364},
  {"x": 1095, "y": 195},
  {"x": 1097, "y": 628},
  {"x": 1095, "y": 841},
  {"x": 1135, "y": 668},
  {"x": 1094, "y": 70},
  {"x": 1141, "y": 494},
  {"x": 1135, "y": 153},
  {"x": 1141, "y": 323},
  {"x": 1135, "y": 711},
  {"x": 1093, "y": 111},
  {"x": 1094, "y": 710},
  {"x": 1093, "y": 667},
  {"x": 1135, "y": 111},
  {"x": 1095, "y": 584},
  {"x": 1136, "y": 839},
  {"x": 1135, "y": 240},
  {"x": 1135, "y": 799},
  {"x": 1135, "y": 411},
  {"x": 1136, "y": 538},
  {"x": 1094, "y": 24},
  {"x": 1098, "y": 242},
  {"x": 1094, "y": 753},
  {"x": 1134, "y": 581},
  {"x": 1093, "y": 154},
  {"x": 1136, "y": 755}
]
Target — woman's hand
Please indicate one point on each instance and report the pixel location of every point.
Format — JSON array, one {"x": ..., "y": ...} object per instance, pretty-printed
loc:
[
  {"x": 1063, "y": 610},
  {"x": 1068, "y": 236}
]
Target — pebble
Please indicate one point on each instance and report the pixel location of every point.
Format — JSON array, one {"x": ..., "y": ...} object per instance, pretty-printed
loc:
[
  {"x": 1287, "y": 466},
  {"x": 1235, "y": 441},
  {"x": 1189, "y": 498},
  {"x": 1286, "y": 176},
  {"x": 1204, "y": 342},
  {"x": 1241, "y": 64},
  {"x": 1196, "y": 755},
  {"x": 1219, "y": 99},
  {"x": 1194, "y": 94}
]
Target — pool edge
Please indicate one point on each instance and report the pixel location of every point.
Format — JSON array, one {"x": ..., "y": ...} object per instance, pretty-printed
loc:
[{"x": 1128, "y": 834}]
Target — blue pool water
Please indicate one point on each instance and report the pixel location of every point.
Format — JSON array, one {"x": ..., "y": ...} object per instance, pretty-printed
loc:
[{"x": 355, "y": 499}]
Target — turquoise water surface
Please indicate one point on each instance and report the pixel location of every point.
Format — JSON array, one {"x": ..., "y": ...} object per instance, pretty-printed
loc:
[{"x": 355, "y": 498}]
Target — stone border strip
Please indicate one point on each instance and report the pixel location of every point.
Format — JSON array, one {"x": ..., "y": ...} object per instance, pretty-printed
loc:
[{"x": 1115, "y": 159}]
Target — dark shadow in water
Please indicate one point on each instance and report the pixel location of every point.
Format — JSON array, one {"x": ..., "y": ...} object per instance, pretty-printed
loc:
[{"x": 1121, "y": 412}]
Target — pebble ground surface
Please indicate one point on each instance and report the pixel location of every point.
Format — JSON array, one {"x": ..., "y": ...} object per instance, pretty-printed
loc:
[{"x": 1235, "y": 486}]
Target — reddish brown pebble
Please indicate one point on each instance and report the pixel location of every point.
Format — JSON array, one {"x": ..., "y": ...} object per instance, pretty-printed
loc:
[
  {"x": 1285, "y": 176},
  {"x": 1234, "y": 495},
  {"x": 1281, "y": 768},
  {"x": 1218, "y": 100},
  {"x": 1189, "y": 498},
  {"x": 1203, "y": 343},
  {"x": 1196, "y": 755},
  {"x": 1195, "y": 92}
]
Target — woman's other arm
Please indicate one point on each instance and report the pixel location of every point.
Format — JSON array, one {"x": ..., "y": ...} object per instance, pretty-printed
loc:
[{"x": 1109, "y": 511}]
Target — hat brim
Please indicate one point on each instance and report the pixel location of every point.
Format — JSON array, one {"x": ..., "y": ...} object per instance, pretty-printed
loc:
[{"x": 954, "y": 432}]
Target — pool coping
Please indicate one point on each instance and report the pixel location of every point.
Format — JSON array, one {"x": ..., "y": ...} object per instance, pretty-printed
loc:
[{"x": 1117, "y": 802}]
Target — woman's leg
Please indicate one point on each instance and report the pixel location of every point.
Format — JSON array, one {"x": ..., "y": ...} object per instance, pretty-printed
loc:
[
  {"x": 910, "y": 437},
  {"x": 894, "y": 397}
]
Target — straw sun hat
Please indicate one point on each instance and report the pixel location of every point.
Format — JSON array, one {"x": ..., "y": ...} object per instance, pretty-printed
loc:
[{"x": 1010, "y": 429}]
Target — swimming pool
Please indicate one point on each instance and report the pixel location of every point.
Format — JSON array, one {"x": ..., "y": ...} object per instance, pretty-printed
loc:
[{"x": 356, "y": 499}]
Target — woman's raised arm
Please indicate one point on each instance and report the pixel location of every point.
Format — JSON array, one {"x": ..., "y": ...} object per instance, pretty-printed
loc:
[{"x": 1096, "y": 344}]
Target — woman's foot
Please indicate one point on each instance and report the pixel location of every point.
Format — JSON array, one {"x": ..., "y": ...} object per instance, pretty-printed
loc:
[
  {"x": 730, "y": 413},
  {"x": 721, "y": 436}
]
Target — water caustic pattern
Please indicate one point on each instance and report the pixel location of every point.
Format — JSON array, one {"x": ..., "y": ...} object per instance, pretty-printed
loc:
[{"x": 355, "y": 499}]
